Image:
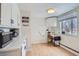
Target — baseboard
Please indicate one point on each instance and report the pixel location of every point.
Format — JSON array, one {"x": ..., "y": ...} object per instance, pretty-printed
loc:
[{"x": 69, "y": 49}]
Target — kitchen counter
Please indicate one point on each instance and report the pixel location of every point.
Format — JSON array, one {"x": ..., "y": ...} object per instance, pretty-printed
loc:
[
  {"x": 15, "y": 48},
  {"x": 14, "y": 44},
  {"x": 12, "y": 49}
]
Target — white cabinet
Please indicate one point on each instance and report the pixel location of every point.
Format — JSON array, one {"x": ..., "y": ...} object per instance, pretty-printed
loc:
[
  {"x": 14, "y": 18},
  {"x": 5, "y": 14},
  {"x": 18, "y": 18},
  {"x": 10, "y": 15}
]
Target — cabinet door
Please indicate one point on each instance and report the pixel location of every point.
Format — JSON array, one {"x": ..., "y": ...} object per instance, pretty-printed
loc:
[
  {"x": 18, "y": 18},
  {"x": 5, "y": 14},
  {"x": 14, "y": 18}
]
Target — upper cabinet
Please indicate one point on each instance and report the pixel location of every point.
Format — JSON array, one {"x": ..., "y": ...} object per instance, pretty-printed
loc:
[
  {"x": 5, "y": 14},
  {"x": 0, "y": 13},
  {"x": 14, "y": 19},
  {"x": 10, "y": 15}
]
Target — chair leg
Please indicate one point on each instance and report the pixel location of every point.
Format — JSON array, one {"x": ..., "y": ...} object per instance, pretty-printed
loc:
[
  {"x": 59, "y": 43},
  {"x": 54, "y": 43}
]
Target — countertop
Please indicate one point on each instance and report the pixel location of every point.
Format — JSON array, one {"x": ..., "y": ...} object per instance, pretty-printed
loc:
[{"x": 14, "y": 44}]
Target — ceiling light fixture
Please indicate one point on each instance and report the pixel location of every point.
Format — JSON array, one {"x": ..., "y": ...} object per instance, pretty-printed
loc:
[{"x": 51, "y": 10}]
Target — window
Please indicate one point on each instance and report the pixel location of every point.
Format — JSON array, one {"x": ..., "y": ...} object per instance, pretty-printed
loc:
[{"x": 69, "y": 26}]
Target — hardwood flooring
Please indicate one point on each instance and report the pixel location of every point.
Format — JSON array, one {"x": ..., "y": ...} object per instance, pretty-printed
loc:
[{"x": 48, "y": 50}]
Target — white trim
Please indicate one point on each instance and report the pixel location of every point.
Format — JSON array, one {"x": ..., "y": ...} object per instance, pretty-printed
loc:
[{"x": 70, "y": 50}]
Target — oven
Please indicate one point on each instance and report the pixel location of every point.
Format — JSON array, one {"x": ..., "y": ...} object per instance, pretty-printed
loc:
[{"x": 5, "y": 38}]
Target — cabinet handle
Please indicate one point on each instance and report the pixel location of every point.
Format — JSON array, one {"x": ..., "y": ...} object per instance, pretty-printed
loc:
[{"x": 12, "y": 21}]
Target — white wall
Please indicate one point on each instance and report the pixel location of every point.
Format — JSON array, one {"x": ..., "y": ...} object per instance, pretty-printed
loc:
[
  {"x": 52, "y": 21},
  {"x": 25, "y": 13},
  {"x": 38, "y": 30},
  {"x": 25, "y": 30},
  {"x": 38, "y": 25},
  {"x": 71, "y": 41}
]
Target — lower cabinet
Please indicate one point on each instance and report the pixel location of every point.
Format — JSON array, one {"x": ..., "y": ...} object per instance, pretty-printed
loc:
[{"x": 15, "y": 52}]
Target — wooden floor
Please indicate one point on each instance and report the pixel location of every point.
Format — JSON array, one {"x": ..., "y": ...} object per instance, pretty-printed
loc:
[{"x": 48, "y": 50}]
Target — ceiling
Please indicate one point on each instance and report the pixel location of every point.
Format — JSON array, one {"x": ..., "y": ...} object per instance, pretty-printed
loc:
[{"x": 40, "y": 9}]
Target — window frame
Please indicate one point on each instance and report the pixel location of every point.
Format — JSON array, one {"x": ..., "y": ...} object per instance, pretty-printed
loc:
[{"x": 61, "y": 25}]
